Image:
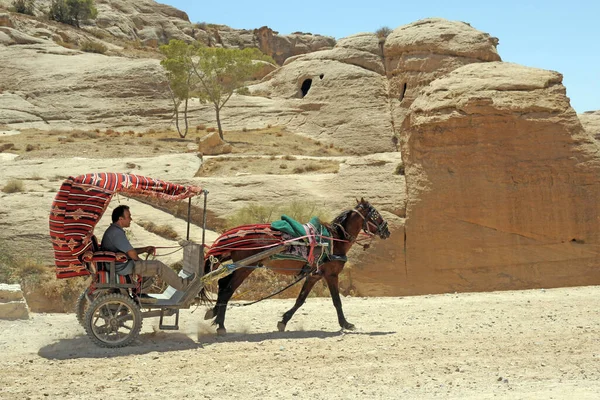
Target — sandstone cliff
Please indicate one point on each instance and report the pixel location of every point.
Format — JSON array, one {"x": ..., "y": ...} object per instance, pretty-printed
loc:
[
  {"x": 591, "y": 123},
  {"x": 501, "y": 182}
]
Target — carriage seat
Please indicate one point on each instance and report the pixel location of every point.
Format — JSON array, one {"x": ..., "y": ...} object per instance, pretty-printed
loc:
[{"x": 101, "y": 265}]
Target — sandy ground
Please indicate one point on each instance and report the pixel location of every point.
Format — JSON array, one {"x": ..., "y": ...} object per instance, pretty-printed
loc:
[{"x": 538, "y": 344}]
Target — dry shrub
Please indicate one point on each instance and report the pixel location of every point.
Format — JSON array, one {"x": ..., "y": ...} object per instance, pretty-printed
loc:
[
  {"x": 383, "y": 32},
  {"x": 200, "y": 127},
  {"x": 310, "y": 167},
  {"x": 31, "y": 147},
  {"x": 67, "y": 45},
  {"x": 90, "y": 46},
  {"x": 35, "y": 177},
  {"x": 6, "y": 146},
  {"x": 300, "y": 210},
  {"x": 14, "y": 186},
  {"x": 211, "y": 129},
  {"x": 164, "y": 231},
  {"x": 283, "y": 166},
  {"x": 44, "y": 293},
  {"x": 399, "y": 169},
  {"x": 288, "y": 157}
]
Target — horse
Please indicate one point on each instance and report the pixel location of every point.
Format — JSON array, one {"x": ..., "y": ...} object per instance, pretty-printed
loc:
[{"x": 344, "y": 230}]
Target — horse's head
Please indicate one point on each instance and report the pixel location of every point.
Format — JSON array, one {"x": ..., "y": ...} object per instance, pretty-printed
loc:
[{"x": 373, "y": 222}]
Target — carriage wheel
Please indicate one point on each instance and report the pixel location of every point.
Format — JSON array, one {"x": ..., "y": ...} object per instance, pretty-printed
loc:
[
  {"x": 113, "y": 320},
  {"x": 82, "y": 306}
]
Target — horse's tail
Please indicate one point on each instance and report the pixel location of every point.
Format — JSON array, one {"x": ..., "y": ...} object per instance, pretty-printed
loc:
[{"x": 210, "y": 263}]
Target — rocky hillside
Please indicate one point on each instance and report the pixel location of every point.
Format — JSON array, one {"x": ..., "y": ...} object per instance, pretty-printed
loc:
[{"x": 496, "y": 189}]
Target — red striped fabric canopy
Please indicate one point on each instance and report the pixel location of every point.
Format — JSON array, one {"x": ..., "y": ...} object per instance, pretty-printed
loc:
[{"x": 81, "y": 202}]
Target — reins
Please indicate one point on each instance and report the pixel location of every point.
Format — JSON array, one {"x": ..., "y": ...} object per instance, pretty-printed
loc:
[{"x": 279, "y": 291}]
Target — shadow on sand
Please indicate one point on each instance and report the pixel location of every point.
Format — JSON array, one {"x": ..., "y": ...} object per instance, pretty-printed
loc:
[{"x": 82, "y": 346}]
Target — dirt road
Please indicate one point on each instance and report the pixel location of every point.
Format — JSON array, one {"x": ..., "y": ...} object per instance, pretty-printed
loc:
[{"x": 538, "y": 344}]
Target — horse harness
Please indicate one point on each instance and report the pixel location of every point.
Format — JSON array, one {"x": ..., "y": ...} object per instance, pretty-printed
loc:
[{"x": 372, "y": 215}]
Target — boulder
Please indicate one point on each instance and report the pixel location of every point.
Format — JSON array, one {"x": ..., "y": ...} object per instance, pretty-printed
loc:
[
  {"x": 417, "y": 53},
  {"x": 212, "y": 144},
  {"x": 339, "y": 97},
  {"x": 502, "y": 184},
  {"x": 282, "y": 47},
  {"x": 5, "y": 20},
  {"x": 12, "y": 302},
  {"x": 591, "y": 123},
  {"x": 368, "y": 42}
]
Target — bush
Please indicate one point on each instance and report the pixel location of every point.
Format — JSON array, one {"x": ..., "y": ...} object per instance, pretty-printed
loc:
[
  {"x": 24, "y": 6},
  {"x": 383, "y": 32},
  {"x": 13, "y": 186},
  {"x": 72, "y": 12},
  {"x": 93, "y": 47},
  {"x": 165, "y": 231},
  {"x": 301, "y": 211},
  {"x": 400, "y": 169}
]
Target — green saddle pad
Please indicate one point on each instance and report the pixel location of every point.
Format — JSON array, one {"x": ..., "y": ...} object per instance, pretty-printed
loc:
[{"x": 292, "y": 227}]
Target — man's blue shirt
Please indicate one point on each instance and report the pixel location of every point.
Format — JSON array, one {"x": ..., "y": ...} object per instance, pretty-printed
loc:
[{"x": 115, "y": 240}]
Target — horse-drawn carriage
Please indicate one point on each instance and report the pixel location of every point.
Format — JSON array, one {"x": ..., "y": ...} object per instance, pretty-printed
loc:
[{"x": 112, "y": 308}]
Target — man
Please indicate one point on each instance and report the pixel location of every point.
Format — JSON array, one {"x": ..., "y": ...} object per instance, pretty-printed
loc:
[{"x": 114, "y": 240}]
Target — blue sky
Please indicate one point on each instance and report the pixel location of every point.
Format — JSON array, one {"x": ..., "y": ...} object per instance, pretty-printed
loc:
[{"x": 563, "y": 35}]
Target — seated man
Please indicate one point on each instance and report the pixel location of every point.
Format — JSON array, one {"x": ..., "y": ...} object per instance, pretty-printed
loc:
[{"x": 114, "y": 240}]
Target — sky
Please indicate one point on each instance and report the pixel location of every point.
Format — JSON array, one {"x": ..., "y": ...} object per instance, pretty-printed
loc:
[{"x": 558, "y": 35}]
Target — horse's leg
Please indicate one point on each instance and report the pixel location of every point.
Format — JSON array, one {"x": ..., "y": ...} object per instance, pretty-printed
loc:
[
  {"x": 227, "y": 287},
  {"x": 306, "y": 288},
  {"x": 333, "y": 284}
]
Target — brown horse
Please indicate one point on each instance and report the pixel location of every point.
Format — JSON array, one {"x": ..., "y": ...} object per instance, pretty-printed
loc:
[{"x": 344, "y": 229}]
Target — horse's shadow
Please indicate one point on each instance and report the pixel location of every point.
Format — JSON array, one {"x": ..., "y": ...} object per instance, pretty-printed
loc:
[
  {"x": 260, "y": 337},
  {"x": 82, "y": 347}
]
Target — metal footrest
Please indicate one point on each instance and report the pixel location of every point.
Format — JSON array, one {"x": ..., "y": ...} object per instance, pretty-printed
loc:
[{"x": 164, "y": 327}]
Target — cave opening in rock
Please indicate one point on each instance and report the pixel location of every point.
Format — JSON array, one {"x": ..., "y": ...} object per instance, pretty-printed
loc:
[
  {"x": 403, "y": 91},
  {"x": 306, "y": 86}
]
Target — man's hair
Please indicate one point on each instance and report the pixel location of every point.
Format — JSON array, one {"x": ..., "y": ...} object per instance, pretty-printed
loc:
[{"x": 119, "y": 212}]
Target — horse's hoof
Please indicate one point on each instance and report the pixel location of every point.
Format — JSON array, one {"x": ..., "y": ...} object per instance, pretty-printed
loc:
[
  {"x": 221, "y": 331},
  {"x": 349, "y": 326},
  {"x": 210, "y": 314},
  {"x": 281, "y": 326}
]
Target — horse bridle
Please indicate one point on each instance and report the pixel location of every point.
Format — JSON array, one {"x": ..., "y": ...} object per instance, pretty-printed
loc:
[{"x": 371, "y": 219}]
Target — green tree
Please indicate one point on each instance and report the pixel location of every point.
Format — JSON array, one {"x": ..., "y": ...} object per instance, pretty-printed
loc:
[
  {"x": 223, "y": 71},
  {"x": 180, "y": 74},
  {"x": 72, "y": 12},
  {"x": 211, "y": 74},
  {"x": 24, "y": 6}
]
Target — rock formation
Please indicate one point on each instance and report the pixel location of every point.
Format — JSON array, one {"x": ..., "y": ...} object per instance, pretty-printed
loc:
[
  {"x": 12, "y": 302},
  {"x": 591, "y": 123},
  {"x": 417, "y": 53},
  {"x": 501, "y": 182}
]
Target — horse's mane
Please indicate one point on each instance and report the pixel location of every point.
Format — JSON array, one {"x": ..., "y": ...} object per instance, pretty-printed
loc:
[{"x": 336, "y": 227}]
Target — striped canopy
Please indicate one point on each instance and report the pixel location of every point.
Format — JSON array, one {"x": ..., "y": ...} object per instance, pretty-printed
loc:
[{"x": 81, "y": 202}]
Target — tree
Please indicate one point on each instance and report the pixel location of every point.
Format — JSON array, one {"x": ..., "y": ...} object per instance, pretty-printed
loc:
[
  {"x": 72, "y": 12},
  {"x": 223, "y": 71},
  {"x": 24, "y": 6},
  {"x": 211, "y": 74},
  {"x": 180, "y": 73}
]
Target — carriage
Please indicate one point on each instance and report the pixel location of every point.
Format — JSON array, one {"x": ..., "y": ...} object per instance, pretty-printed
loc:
[{"x": 111, "y": 309}]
